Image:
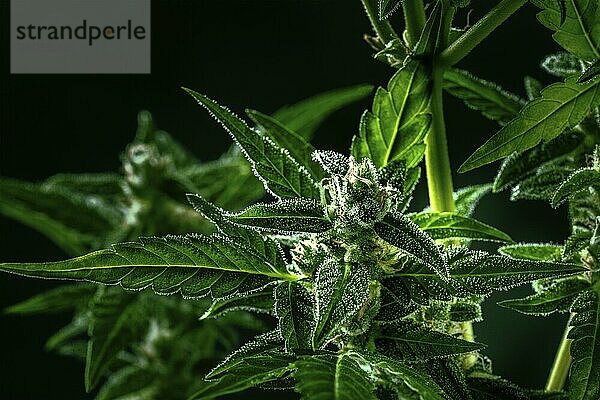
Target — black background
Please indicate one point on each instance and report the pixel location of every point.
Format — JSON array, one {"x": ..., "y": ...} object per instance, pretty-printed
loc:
[{"x": 259, "y": 54}]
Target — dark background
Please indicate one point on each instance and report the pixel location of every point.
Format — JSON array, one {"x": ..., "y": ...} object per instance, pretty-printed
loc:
[{"x": 259, "y": 54}]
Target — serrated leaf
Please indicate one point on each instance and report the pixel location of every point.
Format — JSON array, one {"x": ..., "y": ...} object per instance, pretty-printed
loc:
[
  {"x": 410, "y": 341},
  {"x": 335, "y": 376},
  {"x": 396, "y": 301},
  {"x": 490, "y": 99},
  {"x": 259, "y": 302},
  {"x": 307, "y": 115},
  {"x": 474, "y": 273},
  {"x": 390, "y": 371},
  {"x": 467, "y": 198},
  {"x": 494, "y": 388},
  {"x": 341, "y": 290},
  {"x": 280, "y": 173},
  {"x": 400, "y": 231},
  {"x": 448, "y": 375},
  {"x": 247, "y": 372},
  {"x": 116, "y": 318},
  {"x": 399, "y": 121},
  {"x": 561, "y": 106},
  {"x": 450, "y": 225},
  {"x": 289, "y": 215},
  {"x": 557, "y": 297},
  {"x": 584, "y": 378},
  {"x": 294, "y": 308},
  {"x": 520, "y": 165},
  {"x": 59, "y": 299},
  {"x": 561, "y": 65},
  {"x": 579, "y": 180},
  {"x": 299, "y": 149},
  {"x": 533, "y": 251},
  {"x": 76, "y": 221},
  {"x": 193, "y": 265},
  {"x": 542, "y": 185},
  {"x": 576, "y": 26}
]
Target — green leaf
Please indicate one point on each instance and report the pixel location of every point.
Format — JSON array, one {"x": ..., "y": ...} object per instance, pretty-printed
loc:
[
  {"x": 388, "y": 7},
  {"x": 580, "y": 180},
  {"x": 396, "y": 301},
  {"x": 247, "y": 372},
  {"x": 289, "y": 215},
  {"x": 533, "y": 251},
  {"x": 449, "y": 375},
  {"x": 390, "y": 371},
  {"x": 467, "y": 198},
  {"x": 260, "y": 301},
  {"x": 533, "y": 87},
  {"x": 542, "y": 185},
  {"x": 59, "y": 299},
  {"x": 76, "y": 221},
  {"x": 561, "y": 106},
  {"x": 474, "y": 273},
  {"x": 280, "y": 173},
  {"x": 556, "y": 297},
  {"x": 335, "y": 376},
  {"x": 400, "y": 231},
  {"x": 299, "y": 149},
  {"x": 578, "y": 32},
  {"x": 130, "y": 382},
  {"x": 399, "y": 121},
  {"x": 294, "y": 308},
  {"x": 193, "y": 265},
  {"x": 449, "y": 225},
  {"x": 116, "y": 319},
  {"x": 521, "y": 165},
  {"x": 341, "y": 290},
  {"x": 584, "y": 378},
  {"x": 487, "y": 97},
  {"x": 411, "y": 341},
  {"x": 307, "y": 115},
  {"x": 492, "y": 387}
]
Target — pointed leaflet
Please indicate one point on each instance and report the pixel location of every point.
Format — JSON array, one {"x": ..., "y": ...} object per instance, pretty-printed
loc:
[
  {"x": 260, "y": 301},
  {"x": 280, "y": 173},
  {"x": 333, "y": 376},
  {"x": 75, "y": 220},
  {"x": 520, "y": 165},
  {"x": 467, "y": 198},
  {"x": 131, "y": 382},
  {"x": 401, "y": 232},
  {"x": 307, "y": 115},
  {"x": 561, "y": 106},
  {"x": 533, "y": 251},
  {"x": 287, "y": 139},
  {"x": 62, "y": 298},
  {"x": 400, "y": 119},
  {"x": 543, "y": 184},
  {"x": 556, "y": 297},
  {"x": 341, "y": 290},
  {"x": 578, "y": 32},
  {"x": 390, "y": 371},
  {"x": 580, "y": 180},
  {"x": 387, "y": 8},
  {"x": 487, "y": 97},
  {"x": 584, "y": 378},
  {"x": 411, "y": 341},
  {"x": 116, "y": 318},
  {"x": 489, "y": 387},
  {"x": 294, "y": 307},
  {"x": 474, "y": 273},
  {"x": 289, "y": 215},
  {"x": 591, "y": 72},
  {"x": 193, "y": 265},
  {"x": 448, "y": 225}
]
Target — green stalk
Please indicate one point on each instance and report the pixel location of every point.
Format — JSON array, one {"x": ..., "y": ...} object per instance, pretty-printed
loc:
[
  {"x": 382, "y": 28},
  {"x": 414, "y": 18},
  {"x": 478, "y": 32},
  {"x": 562, "y": 362}
]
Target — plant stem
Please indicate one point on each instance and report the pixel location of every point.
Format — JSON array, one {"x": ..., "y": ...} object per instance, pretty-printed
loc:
[
  {"x": 562, "y": 361},
  {"x": 437, "y": 161},
  {"x": 482, "y": 29},
  {"x": 414, "y": 19},
  {"x": 382, "y": 28}
]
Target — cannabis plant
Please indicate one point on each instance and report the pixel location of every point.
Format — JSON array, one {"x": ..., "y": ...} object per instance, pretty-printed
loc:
[{"x": 369, "y": 299}]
